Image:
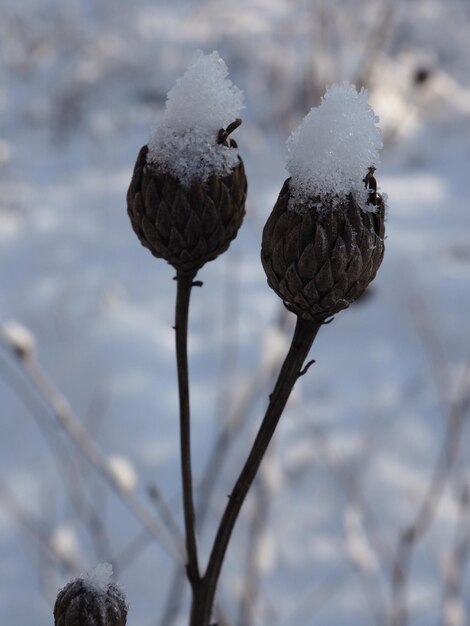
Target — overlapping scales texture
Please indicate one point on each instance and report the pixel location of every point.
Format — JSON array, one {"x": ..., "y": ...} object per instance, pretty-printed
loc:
[
  {"x": 319, "y": 262},
  {"x": 82, "y": 604},
  {"x": 187, "y": 227}
]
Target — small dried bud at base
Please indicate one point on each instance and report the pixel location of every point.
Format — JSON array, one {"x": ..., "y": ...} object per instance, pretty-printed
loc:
[
  {"x": 320, "y": 261},
  {"x": 82, "y": 604},
  {"x": 186, "y": 227}
]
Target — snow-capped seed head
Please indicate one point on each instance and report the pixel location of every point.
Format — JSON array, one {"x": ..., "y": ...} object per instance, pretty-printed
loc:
[
  {"x": 91, "y": 600},
  {"x": 202, "y": 102},
  {"x": 334, "y": 147},
  {"x": 100, "y": 577},
  {"x": 186, "y": 200}
]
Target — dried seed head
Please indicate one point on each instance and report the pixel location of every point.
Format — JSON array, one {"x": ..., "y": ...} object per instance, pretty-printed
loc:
[
  {"x": 186, "y": 225},
  {"x": 82, "y": 602},
  {"x": 320, "y": 260}
]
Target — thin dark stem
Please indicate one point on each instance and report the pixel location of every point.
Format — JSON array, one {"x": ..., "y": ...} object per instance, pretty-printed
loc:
[
  {"x": 305, "y": 332},
  {"x": 183, "y": 293},
  {"x": 213, "y": 469}
]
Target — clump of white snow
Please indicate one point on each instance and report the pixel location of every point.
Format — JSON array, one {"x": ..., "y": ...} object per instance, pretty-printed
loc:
[
  {"x": 99, "y": 578},
  {"x": 65, "y": 543},
  {"x": 202, "y": 102},
  {"x": 331, "y": 151},
  {"x": 20, "y": 339},
  {"x": 123, "y": 472}
]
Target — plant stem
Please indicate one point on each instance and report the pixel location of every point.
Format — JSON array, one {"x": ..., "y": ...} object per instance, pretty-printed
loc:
[
  {"x": 183, "y": 293},
  {"x": 305, "y": 332}
]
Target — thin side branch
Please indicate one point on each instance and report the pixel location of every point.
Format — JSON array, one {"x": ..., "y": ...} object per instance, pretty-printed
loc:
[
  {"x": 429, "y": 505},
  {"x": 453, "y": 595},
  {"x": 304, "y": 335}
]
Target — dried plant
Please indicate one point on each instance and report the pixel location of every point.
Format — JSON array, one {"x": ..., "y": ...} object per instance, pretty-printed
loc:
[{"x": 322, "y": 246}]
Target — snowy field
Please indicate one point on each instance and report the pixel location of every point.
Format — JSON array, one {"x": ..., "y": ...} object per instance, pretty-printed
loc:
[{"x": 379, "y": 418}]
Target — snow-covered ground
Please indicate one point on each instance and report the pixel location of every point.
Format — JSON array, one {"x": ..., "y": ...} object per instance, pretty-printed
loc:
[{"x": 81, "y": 85}]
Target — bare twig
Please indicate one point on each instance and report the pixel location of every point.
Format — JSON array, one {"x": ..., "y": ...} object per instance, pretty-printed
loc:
[
  {"x": 251, "y": 574},
  {"x": 230, "y": 340},
  {"x": 165, "y": 512},
  {"x": 315, "y": 599},
  {"x": 35, "y": 530},
  {"x": 374, "y": 42},
  {"x": 70, "y": 474},
  {"x": 425, "y": 515},
  {"x": 452, "y": 596},
  {"x": 132, "y": 550},
  {"x": 142, "y": 540},
  {"x": 347, "y": 483},
  {"x": 60, "y": 409},
  {"x": 229, "y": 431}
]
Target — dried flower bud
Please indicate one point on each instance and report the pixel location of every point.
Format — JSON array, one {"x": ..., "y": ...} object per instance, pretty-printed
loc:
[
  {"x": 321, "y": 259},
  {"x": 185, "y": 226},
  {"x": 91, "y": 601}
]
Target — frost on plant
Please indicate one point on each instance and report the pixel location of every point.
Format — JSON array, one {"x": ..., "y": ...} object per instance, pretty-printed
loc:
[
  {"x": 202, "y": 102},
  {"x": 92, "y": 598},
  {"x": 331, "y": 151},
  {"x": 123, "y": 472},
  {"x": 19, "y": 338},
  {"x": 100, "y": 577}
]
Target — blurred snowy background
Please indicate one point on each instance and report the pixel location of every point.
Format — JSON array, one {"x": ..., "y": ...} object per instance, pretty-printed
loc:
[{"x": 335, "y": 530}]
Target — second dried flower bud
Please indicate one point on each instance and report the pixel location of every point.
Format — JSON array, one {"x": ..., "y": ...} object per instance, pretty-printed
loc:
[
  {"x": 319, "y": 262},
  {"x": 324, "y": 240}
]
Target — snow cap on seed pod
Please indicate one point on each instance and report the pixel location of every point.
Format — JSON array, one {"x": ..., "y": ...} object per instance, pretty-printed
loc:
[
  {"x": 91, "y": 600},
  {"x": 186, "y": 200},
  {"x": 324, "y": 240}
]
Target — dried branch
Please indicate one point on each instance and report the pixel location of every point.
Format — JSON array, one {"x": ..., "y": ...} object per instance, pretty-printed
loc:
[
  {"x": 346, "y": 481},
  {"x": 252, "y": 575},
  {"x": 61, "y": 411},
  {"x": 452, "y": 595},
  {"x": 426, "y": 513},
  {"x": 35, "y": 530},
  {"x": 67, "y": 470}
]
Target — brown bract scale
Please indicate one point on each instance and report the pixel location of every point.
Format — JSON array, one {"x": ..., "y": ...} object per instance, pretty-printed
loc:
[
  {"x": 80, "y": 604},
  {"x": 186, "y": 227},
  {"x": 320, "y": 261}
]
